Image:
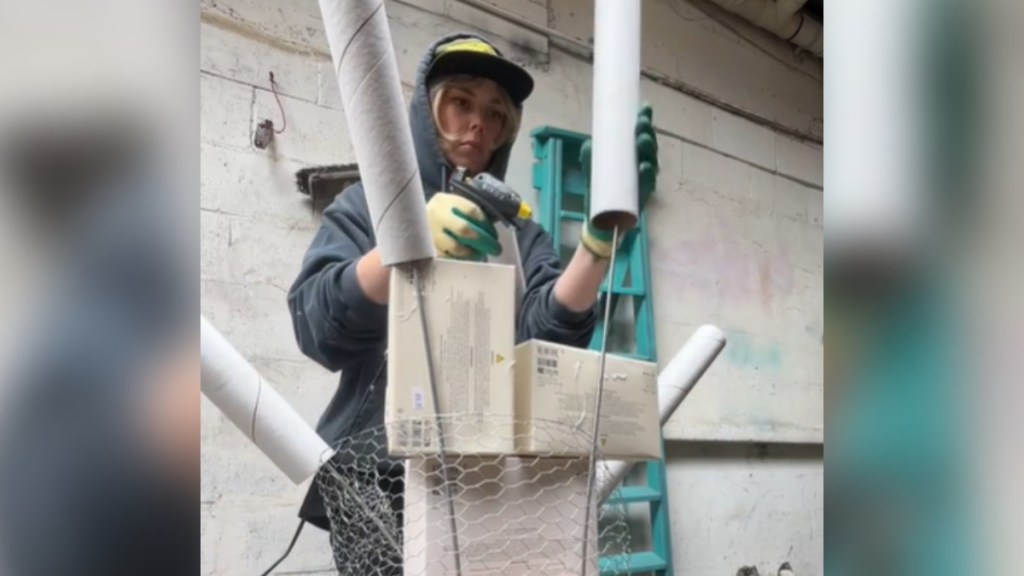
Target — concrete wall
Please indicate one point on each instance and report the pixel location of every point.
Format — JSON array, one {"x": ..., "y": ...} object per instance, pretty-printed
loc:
[{"x": 747, "y": 256}]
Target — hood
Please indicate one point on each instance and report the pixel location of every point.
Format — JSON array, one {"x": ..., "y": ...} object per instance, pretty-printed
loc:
[{"x": 424, "y": 134}]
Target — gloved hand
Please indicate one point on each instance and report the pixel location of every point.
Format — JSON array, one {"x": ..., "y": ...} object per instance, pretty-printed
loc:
[
  {"x": 460, "y": 229},
  {"x": 599, "y": 242}
]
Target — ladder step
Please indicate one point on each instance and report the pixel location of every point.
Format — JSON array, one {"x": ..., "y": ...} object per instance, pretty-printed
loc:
[
  {"x": 570, "y": 215},
  {"x": 633, "y": 494},
  {"x": 632, "y": 563},
  {"x": 623, "y": 291}
]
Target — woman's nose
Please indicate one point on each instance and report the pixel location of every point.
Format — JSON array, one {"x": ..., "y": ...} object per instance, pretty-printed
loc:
[{"x": 476, "y": 124}]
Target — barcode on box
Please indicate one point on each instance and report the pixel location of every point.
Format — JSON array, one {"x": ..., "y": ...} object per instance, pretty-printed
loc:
[
  {"x": 547, "y": 361},
  {"x": 547, "y": 366},
  {"x": 415, "y": 434},
  {"x": 418, "y": 400}
]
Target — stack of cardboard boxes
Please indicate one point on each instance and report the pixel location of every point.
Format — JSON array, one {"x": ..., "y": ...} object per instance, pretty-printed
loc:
[
  {"x": 514, "y": 516},
  {"x": 518, "y": 420}
]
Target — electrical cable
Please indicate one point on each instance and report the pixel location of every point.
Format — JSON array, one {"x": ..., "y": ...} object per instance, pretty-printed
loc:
[
  {"x": 291, "y": 545},
  {"x": 284, "y": 119}
]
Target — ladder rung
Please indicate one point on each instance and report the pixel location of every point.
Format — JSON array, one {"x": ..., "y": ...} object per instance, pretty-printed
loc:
[
  {"x": 634, "y": 494},
  {"x": 569, "y": 191},
  {"x": 632, "y": 563},
  {"x": 570, "y": 215},
  {"x": 623, "y": 291}
]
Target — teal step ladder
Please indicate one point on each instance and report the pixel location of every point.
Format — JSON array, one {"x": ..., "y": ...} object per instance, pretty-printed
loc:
[{"x": 561, "y": 194}]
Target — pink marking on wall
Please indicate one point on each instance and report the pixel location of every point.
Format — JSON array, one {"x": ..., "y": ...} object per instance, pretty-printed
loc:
[{"x": 733, "y": 270}]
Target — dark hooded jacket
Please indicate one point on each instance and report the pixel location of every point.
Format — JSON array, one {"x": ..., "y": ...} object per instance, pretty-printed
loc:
[
  {"x": 340, "y": 328},
  {"x": 81, "y": 490}
]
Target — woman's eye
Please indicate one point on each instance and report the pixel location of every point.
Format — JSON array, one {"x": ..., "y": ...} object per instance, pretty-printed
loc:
[
  {"x": 496, "y": 115},
  {"x": 461, "y": 102}
]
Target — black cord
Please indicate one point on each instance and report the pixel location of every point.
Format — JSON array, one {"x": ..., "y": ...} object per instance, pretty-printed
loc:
[
  {"x": 798, "y": 28},
  {"x": 302, "y": 522},
  {"x": 284, "y": 119},
  {"x": 295, "y": 539}
]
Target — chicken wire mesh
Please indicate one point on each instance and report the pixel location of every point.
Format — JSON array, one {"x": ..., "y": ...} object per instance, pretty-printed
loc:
[{"x": 478, "y": 510}]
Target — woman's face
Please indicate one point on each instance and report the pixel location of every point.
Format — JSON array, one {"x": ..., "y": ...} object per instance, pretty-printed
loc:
[{"x": 473, "y": 118}]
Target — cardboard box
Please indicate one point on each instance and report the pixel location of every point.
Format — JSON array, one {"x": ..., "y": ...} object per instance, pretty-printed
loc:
[
  {"x": 514, "y": 517},
  {"x": 471, "y": 321},
  {"x": 555, "y": 395}
]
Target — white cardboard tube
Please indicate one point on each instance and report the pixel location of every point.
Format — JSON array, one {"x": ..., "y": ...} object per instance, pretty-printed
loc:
[
  {"x": 616, "y": 101},
  {"x": 371, "y": 94},
  {"x": 674, "y": 384},
  {"x": 252, "y": 404}
]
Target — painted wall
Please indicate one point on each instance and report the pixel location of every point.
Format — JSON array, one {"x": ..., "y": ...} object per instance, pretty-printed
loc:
[
  {"x": 736, "y": 240},
  {"x": 737, "y": 504}
]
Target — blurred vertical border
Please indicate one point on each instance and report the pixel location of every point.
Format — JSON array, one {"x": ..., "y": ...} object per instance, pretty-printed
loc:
[
  {"x": 99, "y": 372},
  {"x": 899, "y": 431}
]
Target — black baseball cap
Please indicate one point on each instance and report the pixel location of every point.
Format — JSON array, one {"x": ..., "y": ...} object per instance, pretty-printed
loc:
[{"x": 476, "y": 57}]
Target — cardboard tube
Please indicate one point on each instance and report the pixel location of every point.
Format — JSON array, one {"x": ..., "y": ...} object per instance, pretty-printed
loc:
[
  {"x": 674, "y": 384},
  {"x": 252, "y": 405},
  {"x": 371, "y": 94},
  {"x": 613, "y": 176}
]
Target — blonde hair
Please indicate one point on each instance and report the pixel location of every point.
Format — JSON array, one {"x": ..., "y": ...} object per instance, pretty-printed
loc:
[{"x": 513, "y": 115}]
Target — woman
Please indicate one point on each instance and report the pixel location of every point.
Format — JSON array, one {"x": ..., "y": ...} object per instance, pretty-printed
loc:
[{"x": 465, "y": 112}]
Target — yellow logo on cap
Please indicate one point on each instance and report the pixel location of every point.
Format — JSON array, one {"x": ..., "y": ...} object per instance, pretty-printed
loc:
[{"x": 467, "y": 45}]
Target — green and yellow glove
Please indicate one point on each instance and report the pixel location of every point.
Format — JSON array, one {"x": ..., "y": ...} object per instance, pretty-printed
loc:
[
  {"x": 599, "y": 242},
  {"x": 460, "y": 229}
]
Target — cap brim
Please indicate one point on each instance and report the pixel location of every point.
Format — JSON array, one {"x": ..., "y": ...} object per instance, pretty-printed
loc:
[{"x": 510, "y": 76}]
